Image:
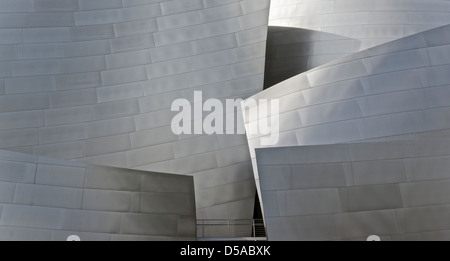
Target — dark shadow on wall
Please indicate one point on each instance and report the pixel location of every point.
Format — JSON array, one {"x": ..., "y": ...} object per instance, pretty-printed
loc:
[
  {"x": 257, "y": 211},
  {"x": 292, "y": 51}
]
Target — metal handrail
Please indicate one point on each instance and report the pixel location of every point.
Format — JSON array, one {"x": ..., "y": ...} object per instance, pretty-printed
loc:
[{"x": 231, "y": 228}]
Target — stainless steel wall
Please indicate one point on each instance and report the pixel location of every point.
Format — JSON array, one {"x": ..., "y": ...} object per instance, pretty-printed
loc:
[
  {"x": 47, "y": 199},
  {"x": 397, "y": 190},
  {"x": 93, "y": 81},
  {"x": 307, "y": 34},
  {"x": 397, "y": 88}
]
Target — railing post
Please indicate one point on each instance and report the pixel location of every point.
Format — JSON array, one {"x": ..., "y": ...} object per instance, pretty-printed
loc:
[{"x": 254, "y": 228}]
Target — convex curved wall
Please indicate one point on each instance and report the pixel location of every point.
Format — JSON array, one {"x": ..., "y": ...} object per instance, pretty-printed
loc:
[
  {"x": 93, "y": 81},
  {"x": 342, "y": 90}
]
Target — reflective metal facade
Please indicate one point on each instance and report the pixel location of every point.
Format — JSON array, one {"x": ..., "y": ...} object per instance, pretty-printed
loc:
[
  {"x": 322, "y": 181},
  {"x": 93, "y": 81},
  {"x": 44, "y": 199}
]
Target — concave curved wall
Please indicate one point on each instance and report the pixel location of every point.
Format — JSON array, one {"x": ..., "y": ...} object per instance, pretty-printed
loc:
[{"x": 307, "y": 34}]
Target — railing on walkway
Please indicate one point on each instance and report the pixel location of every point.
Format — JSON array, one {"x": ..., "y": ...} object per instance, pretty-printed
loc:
[{"x": 223, "y": 228}]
